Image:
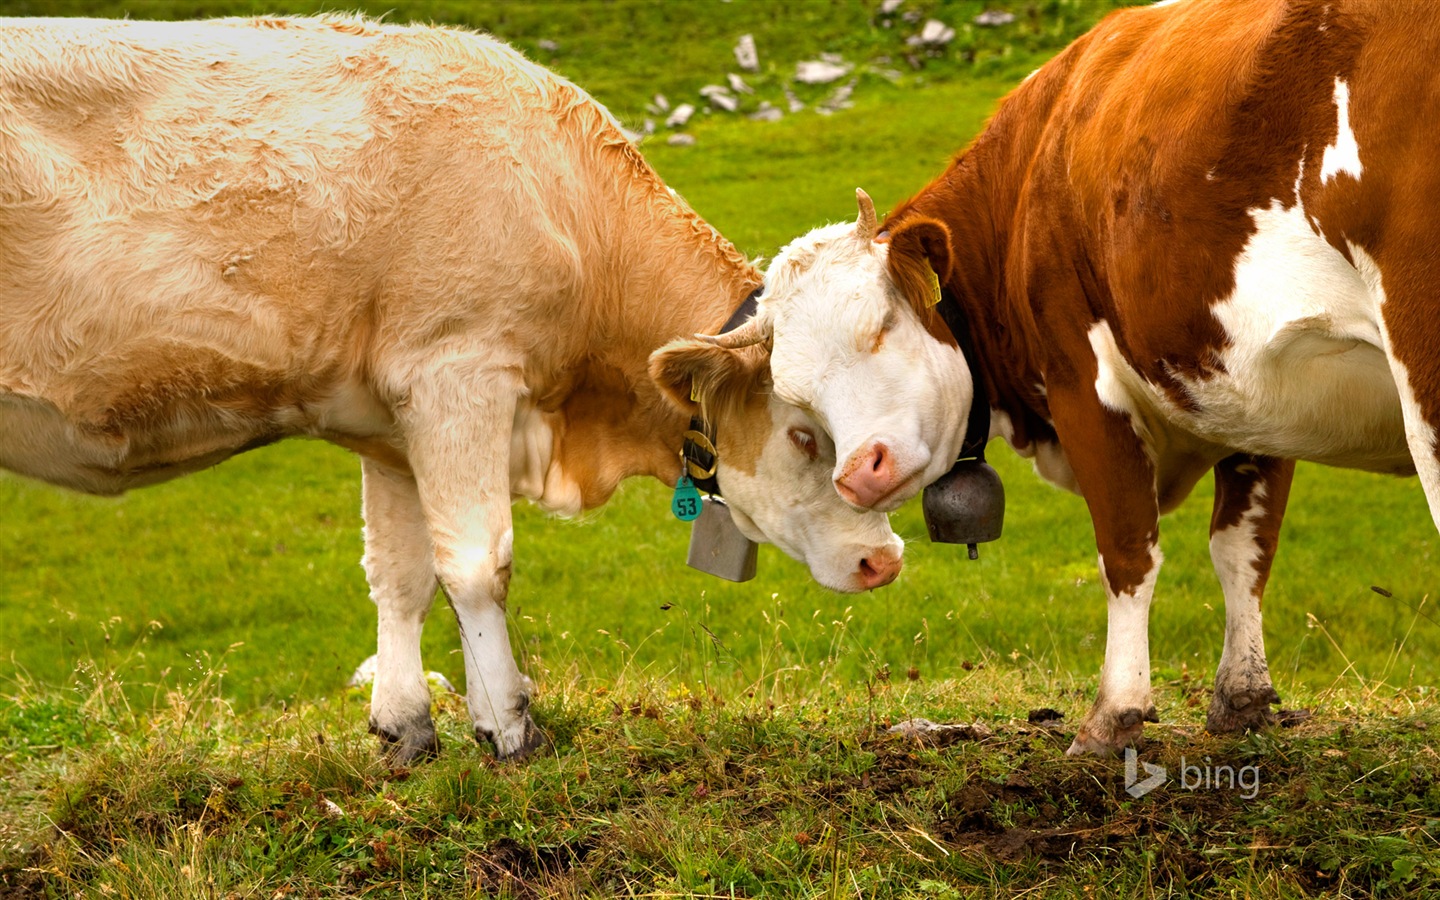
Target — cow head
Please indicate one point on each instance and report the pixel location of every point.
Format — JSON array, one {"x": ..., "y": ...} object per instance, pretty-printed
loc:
[
  {"x": 775, "y": 464},
  {"x": 856, "y": 341}
]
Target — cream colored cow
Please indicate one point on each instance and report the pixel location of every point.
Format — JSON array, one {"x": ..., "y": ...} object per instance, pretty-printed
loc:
[{"x": 408, "y": 241}]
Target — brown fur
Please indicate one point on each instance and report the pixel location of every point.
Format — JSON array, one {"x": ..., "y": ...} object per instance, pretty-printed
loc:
[
  {"x": 1116, "y": 184},
  {"x": 245, "y": 289},
  {"x": 1236, "y": 478},
  {"x": 920, "y": 253},
  {"x": 731, "y": 386}
]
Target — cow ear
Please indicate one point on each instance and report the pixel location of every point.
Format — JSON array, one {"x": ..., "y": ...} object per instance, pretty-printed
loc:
[
  {"x": 698, "y": 378},
  {"x": 918, "y": 264},
  {"x": 922, "y": 239}
]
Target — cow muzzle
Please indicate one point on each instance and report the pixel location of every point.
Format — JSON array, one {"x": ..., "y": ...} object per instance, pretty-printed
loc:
[
  {"x": 875, "y": 477},
  {"x": 878, "y": 568}
]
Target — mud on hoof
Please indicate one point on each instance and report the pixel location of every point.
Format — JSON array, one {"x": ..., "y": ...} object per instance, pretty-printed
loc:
[
  {"x": 1105, "y": 735},
  {"x": 519, "y": 744},
  {"x": 1242, "y": 710},
  {"x": 416, "y": 743}
]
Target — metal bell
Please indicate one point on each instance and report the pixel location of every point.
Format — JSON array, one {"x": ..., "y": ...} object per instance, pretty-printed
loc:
[
  {"x": 717, "y": 546},
  {"x": 966, "y": 505}
]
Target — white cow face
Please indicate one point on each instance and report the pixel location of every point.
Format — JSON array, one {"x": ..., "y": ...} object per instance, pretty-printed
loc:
[
  {"x": 775, "y": 466},
  {"x": 853, "y": 336}
]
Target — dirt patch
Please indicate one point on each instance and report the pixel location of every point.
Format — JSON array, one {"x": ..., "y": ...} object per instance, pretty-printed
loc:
[
  {"x": 22, "y": 880},
  {"x": 1039, "y": 813},
  {"x": 1016, "y": 799},
  {"x": 510, "y": 868},
  {"x": 1045, "y": 716}
]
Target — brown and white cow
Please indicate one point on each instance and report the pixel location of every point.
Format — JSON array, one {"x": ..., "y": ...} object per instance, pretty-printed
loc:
[
  {"x": 408, "y": 241},
  {"x": 1202, "y": 238}
]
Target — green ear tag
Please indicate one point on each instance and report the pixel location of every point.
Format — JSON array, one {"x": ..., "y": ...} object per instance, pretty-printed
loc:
[{"x": 686, "y": 502}]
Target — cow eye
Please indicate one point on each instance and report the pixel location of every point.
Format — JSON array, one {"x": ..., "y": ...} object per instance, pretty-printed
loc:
[
  {"x": 879, "y": 341},
  {"x": 804, "y": 441},
  {"x": 885, "y": 328}
]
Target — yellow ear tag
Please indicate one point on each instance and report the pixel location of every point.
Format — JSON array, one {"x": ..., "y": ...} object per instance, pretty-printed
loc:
[{"x": 934, "y": 288}]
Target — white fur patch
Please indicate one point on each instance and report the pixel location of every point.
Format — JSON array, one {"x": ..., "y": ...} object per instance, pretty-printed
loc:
[
  {"x": 789, "y": 501},
  {"x": 1344, "y": 154},
  {"x": 1053, "y": 465},
  {"x": 1419, "y": 434},
  {"x": 1234, "y": 552},
  {"x": 1125, "y": 676},
  {"x": 1304, "y": 375},
  {"x": 1123, "y": 390}
]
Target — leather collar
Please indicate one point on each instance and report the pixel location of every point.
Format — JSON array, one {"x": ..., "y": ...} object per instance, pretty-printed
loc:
[{"x": 698, "y": 453}]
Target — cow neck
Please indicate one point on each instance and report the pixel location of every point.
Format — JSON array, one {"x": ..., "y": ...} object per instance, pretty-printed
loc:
[
  {"x": 698, "y": 455},
  {"x": 662, "y": 272},
  {"x": 978, "y": 198},
  {"x": 977, "y": 426}
]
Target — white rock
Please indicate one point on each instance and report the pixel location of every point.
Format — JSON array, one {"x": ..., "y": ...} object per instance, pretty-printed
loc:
[
  {"x": 661, "y": 102},
  {"x": 888, "y": 7},
  {"x": 547, "y": 45},
  {"x": 649, "y": 126},
  {"x": 793, "y": 101},
  {"x": 835, "y": 58},
  {"x": 737, "y": 84},
  {"x": 364, "y": 676},
  {"x": 840, "y": 97},
  {"x": 935, "y": 34},
  {"x": 720, "y": 98},
  {"x": 993, "y": 17},
  {"x": 767, "y": 113},
  {"x": 923, "y": 729},
  {"x": 331, "y": 809},
  {"x": 820, "y": 71},
  {"x": 680, "y": 116},
  {"x": 746, "y": 55},
  {"x": 681, "y": 140}
]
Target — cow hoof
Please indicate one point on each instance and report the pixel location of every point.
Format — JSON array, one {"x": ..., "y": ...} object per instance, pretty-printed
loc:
[
  {"x": 409, "y": 746},
  {"x": 1107, "y": 735},
  {"x": 1242, "y": 710},
  {"x": 517, "y": 744}
]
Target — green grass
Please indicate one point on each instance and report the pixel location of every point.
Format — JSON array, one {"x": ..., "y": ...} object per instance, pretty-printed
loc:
[
  {"x": 663, "y": 789},
  {"x": 168, "y": 659}
]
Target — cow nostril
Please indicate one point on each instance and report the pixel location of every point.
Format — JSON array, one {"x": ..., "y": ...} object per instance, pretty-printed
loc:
[
  {"x": 867, "y": 571},
  {"x": 878, "y": 461}
]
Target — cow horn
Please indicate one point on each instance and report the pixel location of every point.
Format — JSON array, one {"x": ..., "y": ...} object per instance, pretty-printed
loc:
[
  {"x": 755, "y": 330},
  {"x": 865, "y": 224}
]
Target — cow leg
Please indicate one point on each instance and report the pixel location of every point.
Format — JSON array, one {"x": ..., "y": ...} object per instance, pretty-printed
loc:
[
  {"x": 458, "y": 425},
  {"x": 1117, "y": 480},
  {"x": 401, "y": 571},
  {"x": 1250, "y": 497},
  {"x": 1415, "y": 364}
]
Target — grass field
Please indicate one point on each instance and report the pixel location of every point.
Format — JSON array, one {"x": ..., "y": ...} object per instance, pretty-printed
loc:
[{"x": 173, "y": 717}]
